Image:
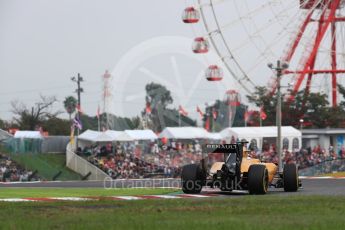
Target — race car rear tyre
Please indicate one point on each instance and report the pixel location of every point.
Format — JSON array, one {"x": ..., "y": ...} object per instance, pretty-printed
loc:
[
  {"x": 191, "y": 178},
  {"x": 257, "y": 179},
  {"x": 290, "y": 178}
]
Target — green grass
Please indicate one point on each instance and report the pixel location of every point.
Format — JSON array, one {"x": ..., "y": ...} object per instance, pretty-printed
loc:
[
  {"x": 65, "y": 192},
  {"x": 234, "y": 212},
  {"x": 47, "y": 165}
]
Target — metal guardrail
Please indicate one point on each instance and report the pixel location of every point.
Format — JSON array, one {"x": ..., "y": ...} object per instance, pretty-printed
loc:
[{"x": 325, "y": 167}]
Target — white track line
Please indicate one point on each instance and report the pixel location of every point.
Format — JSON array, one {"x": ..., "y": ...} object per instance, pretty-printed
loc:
[
  {"x": 194, "y": 195},
  {"x": 15, "y": 200},
  {"x": 127, "y": 197},
  {"x": 21, "y": 182},
  {"x": 139, "y": 197},
  {"x": 166, "y": 196},
  {"x": 71, "y": 198}
]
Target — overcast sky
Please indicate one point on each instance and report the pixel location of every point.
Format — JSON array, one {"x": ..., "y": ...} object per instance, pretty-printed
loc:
[{"x": 43, "y": 43}]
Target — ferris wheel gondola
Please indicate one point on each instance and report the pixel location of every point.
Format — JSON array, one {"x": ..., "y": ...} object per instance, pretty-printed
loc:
[
  {"x": 214, "y": 73},
  {"x": 200, "y": 45},
  {"x": 248, "y": 34},
  {"x": 190, "y": 15}
]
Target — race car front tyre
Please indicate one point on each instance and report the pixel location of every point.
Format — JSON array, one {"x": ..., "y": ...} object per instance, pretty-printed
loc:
[
  {"x": 191, "y": 178},
  {"x": 257, "y": 179},
  {"x": 290, "y": 178}
]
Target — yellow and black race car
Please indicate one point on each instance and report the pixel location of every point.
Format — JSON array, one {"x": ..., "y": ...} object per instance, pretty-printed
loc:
[{"x": 238, "y": 171}]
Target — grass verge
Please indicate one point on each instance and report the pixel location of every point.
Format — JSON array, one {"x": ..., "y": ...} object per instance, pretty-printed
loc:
[
  {"x": 47, "y": 165},
  {"x": 244, "y": 212},
  {"x": 66, "y": 192}
]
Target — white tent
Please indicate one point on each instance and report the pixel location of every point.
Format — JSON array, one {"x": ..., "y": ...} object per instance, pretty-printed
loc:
[
  {"x": 184, "y": 133},
  {"x": 137, "y": 134},
  {"x": 258, "y": 133},
  {"x": 111, "y": 135},
  {"x": 124, "y": 137},
  {"x": 114, "y": 134},
  {"x": 95, "y": 136},
  {"x": 264, "y": 131},
  {"x": 214, "y": 136},
  {"x": 89, "y": 135},
  {"x": 103, "y": 137},
  {"x": 28, "y": 134}
]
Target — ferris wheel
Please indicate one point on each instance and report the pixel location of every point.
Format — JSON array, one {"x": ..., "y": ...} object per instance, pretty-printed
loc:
[{"x": 309, "y": 35}]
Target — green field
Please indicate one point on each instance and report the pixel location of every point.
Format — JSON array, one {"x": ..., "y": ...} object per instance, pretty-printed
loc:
[
  {"x": 47, "y": 165},
  {"x": 233, "y": 212},
  {"x": 66, "y": 192}
]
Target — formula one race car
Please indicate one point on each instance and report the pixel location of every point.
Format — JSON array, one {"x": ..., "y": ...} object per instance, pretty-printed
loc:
[{"x": 238, "y": 171}]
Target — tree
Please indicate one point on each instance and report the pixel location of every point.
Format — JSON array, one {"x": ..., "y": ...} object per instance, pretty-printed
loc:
[
  {"x": 222, "y": 116},
  {"x": 341, "y": 90},
  {"x": 136, "y": 122},
  {"x": 34, "y": 117},
  {"x": 313, "y": 108},
  {"x": 335, "y": 117},
  {"x": 6, "y": 125},
  {"x": 221, "y": 121},
  {"x": 262, "y": 98},
  {"x": 70, "y": 104},
  {"x": 315, "y": 112},
  {"x": 158, "y": 97},
  {"x": 172, "y": 118},
  {"x": 118, "y": 123},
  {"x": 2, "y": 124},
  {"x": 57, "y": 126}
]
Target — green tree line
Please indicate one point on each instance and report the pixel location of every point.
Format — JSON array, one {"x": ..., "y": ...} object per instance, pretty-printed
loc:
[{"x": 158, "y": 112}]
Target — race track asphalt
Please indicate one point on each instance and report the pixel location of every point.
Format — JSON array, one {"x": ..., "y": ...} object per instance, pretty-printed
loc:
[{"x": 313, "y": 186}]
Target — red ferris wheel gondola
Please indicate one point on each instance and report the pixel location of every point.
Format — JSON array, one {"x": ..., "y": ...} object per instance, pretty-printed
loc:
[
  {"x": 200, "y": 45},
  {"x": 190, "y": 15},
  {"x": 232, "y": 98},
  {"x": 214, "y": 73}
]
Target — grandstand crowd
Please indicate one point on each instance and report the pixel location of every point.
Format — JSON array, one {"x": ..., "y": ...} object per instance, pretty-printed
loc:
[
  {"x": 155, "y": 159},
  {"x": 151, "y": 159},
  {"x": 304, "y": 157},
  {"x": 11, "y": 171},
  {"x": 146, "y": 160}
]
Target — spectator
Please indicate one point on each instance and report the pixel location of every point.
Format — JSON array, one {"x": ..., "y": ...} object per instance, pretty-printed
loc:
[
  {"x": 11, "y": 171},
  {"x": 130, "y": 160}
]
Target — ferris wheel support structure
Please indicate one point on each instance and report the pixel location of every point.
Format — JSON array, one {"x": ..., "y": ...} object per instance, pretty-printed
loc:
[
  {"x": 293, "y": 48},
  {"x": 309, "y": 51},
  {"x": 308, "y": 67}
]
